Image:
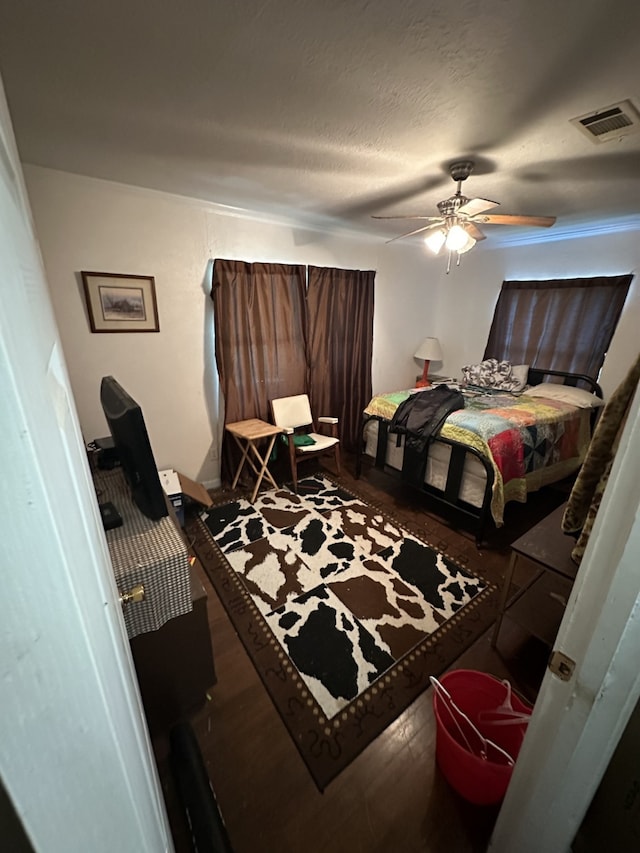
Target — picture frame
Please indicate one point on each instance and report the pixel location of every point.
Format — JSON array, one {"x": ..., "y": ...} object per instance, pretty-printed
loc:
[{"x": 121, "y": 303}]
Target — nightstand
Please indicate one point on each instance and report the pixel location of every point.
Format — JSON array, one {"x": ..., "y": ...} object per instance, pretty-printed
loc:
[
  {"x": 437, "y": 379},
  {"x": 539, "y": 605}
]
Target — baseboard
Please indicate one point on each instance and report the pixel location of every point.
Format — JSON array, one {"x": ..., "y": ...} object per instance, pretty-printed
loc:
[{"x": 212, "y": 484}]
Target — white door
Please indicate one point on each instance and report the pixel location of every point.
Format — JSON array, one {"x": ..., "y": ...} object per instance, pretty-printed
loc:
[
  {"x": 75, "y": 757},
  {"x": 576, "y": 724}
]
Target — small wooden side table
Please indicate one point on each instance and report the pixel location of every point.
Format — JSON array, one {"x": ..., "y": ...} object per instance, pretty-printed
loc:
[
  {"x": 549, "y": 549},
  {"x": 247, "y": 434}
]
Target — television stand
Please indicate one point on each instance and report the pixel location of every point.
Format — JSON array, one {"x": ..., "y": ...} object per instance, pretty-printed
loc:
[
  {"x": 175, "y": 665},
  {"x": 143, "y": 551},
  {"x": 170, "y": 626}
]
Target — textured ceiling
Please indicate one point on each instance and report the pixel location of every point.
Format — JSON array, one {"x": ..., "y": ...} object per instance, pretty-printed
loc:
[{"x": 331, "y": 110}]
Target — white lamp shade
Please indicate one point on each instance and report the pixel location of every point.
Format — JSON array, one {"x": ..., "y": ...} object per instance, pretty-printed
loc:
[
  {"x": 435, "y": 241},
  {"x": 429, "y": 350},
  {"x": 456, "y": 238},
  {"x": 471, "y": 241}
]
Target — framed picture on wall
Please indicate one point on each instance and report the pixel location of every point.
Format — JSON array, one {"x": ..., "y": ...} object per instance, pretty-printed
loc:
[{"x": 121, "y": 303}]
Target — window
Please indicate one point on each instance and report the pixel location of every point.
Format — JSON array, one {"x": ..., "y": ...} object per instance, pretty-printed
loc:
[
  {"x": 340, "y": 345},
  {"x": 282, "y": 329},
  {"x": 562, "y": 324}
]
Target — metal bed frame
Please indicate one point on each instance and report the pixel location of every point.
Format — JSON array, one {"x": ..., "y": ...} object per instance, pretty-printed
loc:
[{"x": 447, "y": 500}]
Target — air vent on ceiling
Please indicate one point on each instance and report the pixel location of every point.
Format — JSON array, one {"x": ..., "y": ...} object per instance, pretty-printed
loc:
[{"x": 611, "y": 122}]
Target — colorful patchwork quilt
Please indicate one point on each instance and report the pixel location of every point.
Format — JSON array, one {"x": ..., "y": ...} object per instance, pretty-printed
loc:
[{"x": 530, "y": 441}]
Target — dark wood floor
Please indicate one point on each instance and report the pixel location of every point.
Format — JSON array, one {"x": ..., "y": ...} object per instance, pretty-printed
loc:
[{"x": 392, "y": 797}]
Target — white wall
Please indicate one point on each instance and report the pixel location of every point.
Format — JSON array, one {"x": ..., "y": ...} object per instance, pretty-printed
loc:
[{"x": 87, "y": 224}]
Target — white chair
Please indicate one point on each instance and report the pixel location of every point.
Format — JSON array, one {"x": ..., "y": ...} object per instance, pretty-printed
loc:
[{"x": 293, "y": 416}]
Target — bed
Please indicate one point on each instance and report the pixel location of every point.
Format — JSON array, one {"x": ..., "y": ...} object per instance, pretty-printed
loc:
[{"x": 500, "y": 447}]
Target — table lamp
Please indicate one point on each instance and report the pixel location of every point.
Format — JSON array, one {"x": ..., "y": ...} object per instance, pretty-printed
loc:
[{"x": 429, "y": 350}]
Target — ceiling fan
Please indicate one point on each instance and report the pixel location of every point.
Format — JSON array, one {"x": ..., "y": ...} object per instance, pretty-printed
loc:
[{"x": 456, "y": 228}]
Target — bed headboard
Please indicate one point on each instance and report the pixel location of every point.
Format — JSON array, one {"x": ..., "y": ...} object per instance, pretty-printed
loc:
[{"x": 538, "y": 374}]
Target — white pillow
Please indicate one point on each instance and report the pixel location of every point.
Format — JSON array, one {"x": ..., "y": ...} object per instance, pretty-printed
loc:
[
  {"x": 566, "y": 394},
  {"x": 520, "y": 372}
]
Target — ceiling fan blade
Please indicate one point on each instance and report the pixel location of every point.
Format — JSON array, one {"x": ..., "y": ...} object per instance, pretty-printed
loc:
[
  {"x": 417, "y": 231},
  {"x": 477, "y": 205},
  {"x": 388, "y": 198},
  {"x": 431, "y": 218},
  {"x": 514, "y": 219},
  {"x": 474, "y": 231}
]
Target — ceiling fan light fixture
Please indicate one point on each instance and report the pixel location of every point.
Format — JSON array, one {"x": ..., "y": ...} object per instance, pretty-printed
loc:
[
  {"x": 470, "y": 243},
  {"x": 435, "y": 241},
  {"x": 456, "y": 228},
  {"x": 457, "y": 239}
]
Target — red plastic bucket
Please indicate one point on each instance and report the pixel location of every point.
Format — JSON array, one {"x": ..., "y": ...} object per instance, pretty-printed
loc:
[{"x": 478, "y": 695}]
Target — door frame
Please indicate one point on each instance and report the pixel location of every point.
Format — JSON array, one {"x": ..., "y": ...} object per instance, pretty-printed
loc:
[
  {"x": 76, "y": 761},
  {"x": 576, "y": 724}
]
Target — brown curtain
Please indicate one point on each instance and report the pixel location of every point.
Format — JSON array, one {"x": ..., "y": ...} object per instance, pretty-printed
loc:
[
  {"x": 260, "y": 331},
  {"x": 340, "y": 346},
  {"x": 562, "y": 324}
]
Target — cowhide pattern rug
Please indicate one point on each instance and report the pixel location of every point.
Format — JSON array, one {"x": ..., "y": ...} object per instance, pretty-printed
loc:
[{"x": 346, "y": 591}]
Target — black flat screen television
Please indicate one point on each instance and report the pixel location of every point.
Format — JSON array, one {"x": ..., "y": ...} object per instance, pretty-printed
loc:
[{"x": 133, "y": 448}]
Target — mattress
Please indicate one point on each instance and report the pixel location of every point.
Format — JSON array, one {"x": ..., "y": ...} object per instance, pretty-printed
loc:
[
  {"x": 529, "y": 441},
  {"x": 474, "y": 477}
]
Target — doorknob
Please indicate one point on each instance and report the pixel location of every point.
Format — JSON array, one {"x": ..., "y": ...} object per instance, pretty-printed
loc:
[{"x": 133, "y": 596}]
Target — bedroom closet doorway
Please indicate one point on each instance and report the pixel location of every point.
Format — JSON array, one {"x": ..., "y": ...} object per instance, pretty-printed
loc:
[{"x": 283, "y": 329}]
